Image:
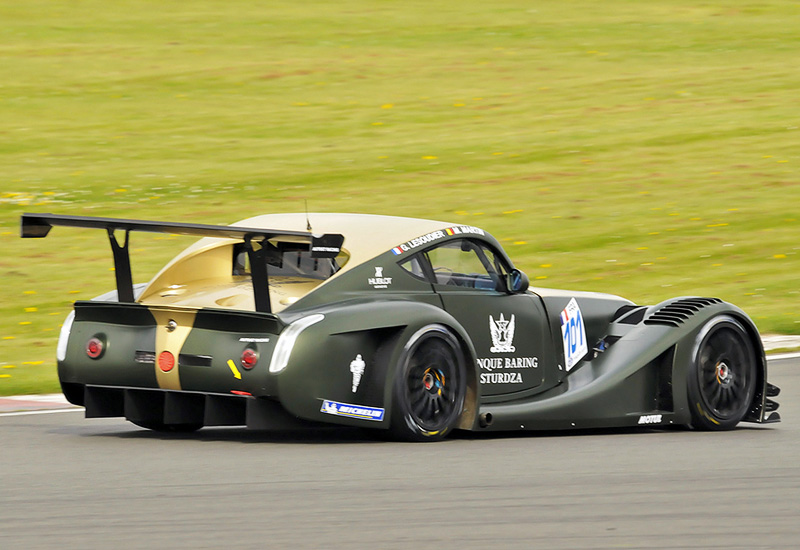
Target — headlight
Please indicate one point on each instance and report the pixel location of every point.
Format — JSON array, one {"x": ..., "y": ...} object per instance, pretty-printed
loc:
[
  {"x": 63, "y": 338},
  {"x": 283, "y": 349}
]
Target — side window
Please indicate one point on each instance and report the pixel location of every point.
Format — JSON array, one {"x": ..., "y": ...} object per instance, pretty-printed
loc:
[
  {"x": 465, "y": 263},
  {"x": 414, "y": 266}
]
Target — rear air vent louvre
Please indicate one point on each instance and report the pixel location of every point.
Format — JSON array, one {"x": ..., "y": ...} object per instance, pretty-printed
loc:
[{"x": 674, "y": 314}]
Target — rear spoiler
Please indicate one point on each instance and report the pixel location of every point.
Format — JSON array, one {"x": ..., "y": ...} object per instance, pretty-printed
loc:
[{"x": 321, "y": 246}]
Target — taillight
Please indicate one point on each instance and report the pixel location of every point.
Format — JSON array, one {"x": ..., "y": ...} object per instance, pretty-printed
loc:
[
  {"x": 95, "y": 347},
  {"x": 166, "y": 361},
  {"x": 249, "y": 358}
]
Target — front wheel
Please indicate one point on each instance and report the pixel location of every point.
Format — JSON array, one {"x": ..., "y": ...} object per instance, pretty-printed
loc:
[
  {"x": 429, "y": 386},
  {"x": 721, "y": 381}
]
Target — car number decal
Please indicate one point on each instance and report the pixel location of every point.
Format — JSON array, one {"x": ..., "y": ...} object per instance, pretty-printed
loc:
[{"x": 573, "y": 334}]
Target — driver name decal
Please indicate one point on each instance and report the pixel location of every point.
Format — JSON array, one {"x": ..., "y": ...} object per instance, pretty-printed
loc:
[
  {"x": 573, "y": 334},
  {"x": 435, "y": 236}
]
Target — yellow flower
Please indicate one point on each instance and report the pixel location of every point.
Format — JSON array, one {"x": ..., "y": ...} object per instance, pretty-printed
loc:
[
  {"x": 429, "y": 157},
  {"x": 31, "y": 309},
  {"x": 779, "y": 256},
  {"x": 387, "y": 105}
]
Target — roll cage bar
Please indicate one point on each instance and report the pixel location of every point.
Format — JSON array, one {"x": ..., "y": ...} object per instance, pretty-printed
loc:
[{"x": 321, "y": 245}]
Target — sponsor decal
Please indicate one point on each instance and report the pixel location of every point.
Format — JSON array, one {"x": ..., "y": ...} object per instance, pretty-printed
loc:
[
  {"x": 254, "y": 339},
  {"x": 379, "y": 281},
  {"x": 491, "y": 364},
  {"x": 501, "y": 378},
  {"x": 352, "y": 411},
  {"x": 573, "y": 334},
  {"x": 357, "y": 367},
  {"x": 494, "y": 363},
  {"x": 435, "y": 236},
  {"x": 650, "y": 419},
  {"x": 502, "y": 332}
]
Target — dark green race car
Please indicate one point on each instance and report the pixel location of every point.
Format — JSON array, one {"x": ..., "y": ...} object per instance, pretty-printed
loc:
[{"x": 415, "y": 326}]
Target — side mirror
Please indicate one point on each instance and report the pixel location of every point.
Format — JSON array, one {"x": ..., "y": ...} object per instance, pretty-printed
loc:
[{"x": 517, "y": 282}]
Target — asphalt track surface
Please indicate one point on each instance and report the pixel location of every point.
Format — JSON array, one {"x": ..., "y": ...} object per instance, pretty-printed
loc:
[{"x": 68, "y": 482}]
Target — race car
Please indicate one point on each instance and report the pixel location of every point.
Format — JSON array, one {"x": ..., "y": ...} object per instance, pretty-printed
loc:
[{"x": 413, "y": 326}]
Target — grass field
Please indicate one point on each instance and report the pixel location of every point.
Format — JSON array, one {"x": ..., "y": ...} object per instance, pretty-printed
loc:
[{"x": 648, "y": 149}]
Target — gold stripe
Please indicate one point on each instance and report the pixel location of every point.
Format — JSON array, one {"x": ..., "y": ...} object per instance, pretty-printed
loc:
[{"x": 171, "y": 342}]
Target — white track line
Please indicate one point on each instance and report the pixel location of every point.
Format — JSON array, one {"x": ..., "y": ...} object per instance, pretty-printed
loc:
[
  {"x": 793, "y": 355},
  {"x": 45, "y": 411}
]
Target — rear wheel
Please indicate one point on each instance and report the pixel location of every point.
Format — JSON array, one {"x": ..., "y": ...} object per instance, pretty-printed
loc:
[
  {"x": 721, "y": 381},
  {"x": 429, "y": 386}
]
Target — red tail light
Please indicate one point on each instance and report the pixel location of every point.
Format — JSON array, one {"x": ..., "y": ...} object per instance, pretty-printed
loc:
[
  {"x": 249, "y": 358},
  {"x": 95, "y": 347}
]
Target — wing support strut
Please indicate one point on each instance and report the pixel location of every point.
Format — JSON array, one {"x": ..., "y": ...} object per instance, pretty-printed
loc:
[
  {"x": 122, "y": 266},
  {"x": 258, "y": 273}
]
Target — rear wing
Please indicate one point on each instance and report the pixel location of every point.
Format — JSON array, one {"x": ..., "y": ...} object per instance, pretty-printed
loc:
[{"x": 321, "y": 246}]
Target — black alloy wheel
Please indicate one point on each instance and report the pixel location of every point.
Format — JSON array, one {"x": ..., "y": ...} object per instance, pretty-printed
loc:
[
  {"x": 722, "y": 379},
  {"x": 430, "y": 385}
]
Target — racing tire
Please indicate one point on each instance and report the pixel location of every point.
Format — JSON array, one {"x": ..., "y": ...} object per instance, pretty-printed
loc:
[
  {"x": 168, "y": 428},
  {"x": 429, "y": 386},
  {"x": 721, "y": 381}
]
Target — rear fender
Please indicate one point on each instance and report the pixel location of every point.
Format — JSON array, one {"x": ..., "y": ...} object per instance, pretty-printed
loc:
[{"x": 326, "y": 354}]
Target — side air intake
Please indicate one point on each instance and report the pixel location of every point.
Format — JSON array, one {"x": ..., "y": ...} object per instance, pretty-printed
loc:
[{"x": 675, "y": 313}]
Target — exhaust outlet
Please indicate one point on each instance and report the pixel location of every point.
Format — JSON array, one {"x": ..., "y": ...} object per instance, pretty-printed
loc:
[{"x": 485, "y": 420}]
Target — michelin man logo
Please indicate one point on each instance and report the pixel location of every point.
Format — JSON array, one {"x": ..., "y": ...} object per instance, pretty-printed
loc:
[
  {"x": 502, "y": 332},
  {"x": 357, "y": 367}
]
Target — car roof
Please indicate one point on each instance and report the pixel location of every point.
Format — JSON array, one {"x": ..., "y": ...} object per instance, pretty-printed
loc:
[{"x": 365, "y": 235}]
